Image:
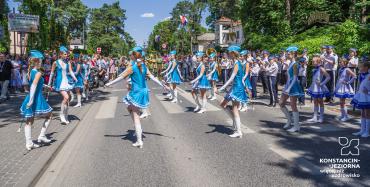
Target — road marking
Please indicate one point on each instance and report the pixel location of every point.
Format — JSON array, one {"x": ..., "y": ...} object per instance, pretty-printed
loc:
[
  {"x": 107, "y": 109},
  {"x": 187, "y": 96},
  {"x": 172, "y": 108},
  {"x": 245, "y": 129},
  {"x": 300, "y": 162}
]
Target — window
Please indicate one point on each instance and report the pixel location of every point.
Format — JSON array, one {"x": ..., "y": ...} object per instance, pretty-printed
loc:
[
  {"x": 76, "y": 46},
  {"x": 237, "y": 34}
]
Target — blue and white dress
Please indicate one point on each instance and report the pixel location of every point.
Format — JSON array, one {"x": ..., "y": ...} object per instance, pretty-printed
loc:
[
  {"x": 79, "y": 75},
  {"x": 247, "y": 81},
  {"x": 139, "y": 92},
  {"x": 214, "y": 76},
  {"x": 361, "y": 100},
  {"x": 203, "y": 82},
  {"x": 296, "y": 89},
  {"x": 237, "y": 92},
  {"x": 39, "y": 105},
  {"x": 175, "y": 75},
  {"x": 168, "y": 77},
  {"x": 86, "y": 69},
  {"x": 344, "y": 90},
  {"x": 316, "y": 90},
  {"x": 61, "y": 80}
]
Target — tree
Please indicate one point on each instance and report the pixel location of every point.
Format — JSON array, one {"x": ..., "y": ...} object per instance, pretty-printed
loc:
[
  {"x": 4, "y": 9},
  {"x": 107, "y": 30},
  {"x": 219, "y": 8}
]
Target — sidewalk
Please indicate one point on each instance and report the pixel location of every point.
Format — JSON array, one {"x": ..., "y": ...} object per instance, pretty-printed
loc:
[{"x": 18, "y": 167}]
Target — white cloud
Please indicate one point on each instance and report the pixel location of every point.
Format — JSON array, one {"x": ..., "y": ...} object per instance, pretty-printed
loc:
[
  {"x": 147, "y": 15},
  {"x": 167, "y": 18}
]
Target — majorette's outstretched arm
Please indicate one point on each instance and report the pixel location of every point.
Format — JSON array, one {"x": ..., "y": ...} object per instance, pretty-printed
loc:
[
  {"x": 213, "y": 71},
  {"x": 199, "y": 76},
  {"x": 155, "y": 79},
  {"x": 122, "y": 76},
  {"x": 173, "y": 66},
  {"x": 235, "y": 71},
  {"x": 168, "y": 68}
]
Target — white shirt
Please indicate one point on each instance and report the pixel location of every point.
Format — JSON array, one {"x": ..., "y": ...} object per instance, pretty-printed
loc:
[
  {"x": 272, "y": 69},
  {"x": 353, "y": 62}
]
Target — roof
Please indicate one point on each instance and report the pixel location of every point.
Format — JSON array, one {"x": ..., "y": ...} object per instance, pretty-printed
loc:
[
  {"x": 227, "y": 21},
  {"x": 76, "y": 41},
  {"x": 206, "y": 37}
]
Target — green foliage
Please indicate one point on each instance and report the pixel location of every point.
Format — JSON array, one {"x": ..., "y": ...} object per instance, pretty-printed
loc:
[
  {"x": 343, "y": 36},
  {"x": 107, "y": 30},
  {"x": 4, "y": 9}
]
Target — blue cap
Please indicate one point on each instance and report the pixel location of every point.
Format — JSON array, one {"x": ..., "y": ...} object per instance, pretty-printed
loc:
[
  {"x": 244, "y": 52},
  {"x": 212, "y": 55},
  {"x": 199, "y": 54},
  {"x": 130, "y": 52},
  {"x": 302, "y": 60},
  {"x": 346, "y": 56},
  {"x": 234, "y": 48},
  {"x": 304, "y": 50},
  {"x": 329, "y": 47},
  {"x": 353, "y": 49},
  {"x": 324, "y": 46},
  {"x": 36, "y": 54},
  {"x": 63, "y": 49},
  {"x": 76, "y": 55},
  {"x": 137, "y": 49},
  {"x": 173, "y": 52},
  {"x": 271, "y": 57},
  {"x": 292, "y": 49},
  {"x": 265, "y": 52}
]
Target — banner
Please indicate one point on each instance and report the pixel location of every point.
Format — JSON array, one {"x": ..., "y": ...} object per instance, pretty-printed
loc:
[{"x": 23, "y": 23}]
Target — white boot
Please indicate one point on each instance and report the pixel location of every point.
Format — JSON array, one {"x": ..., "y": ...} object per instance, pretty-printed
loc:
[
  {"x": 321, "y": 118},
  {"x": 366, "y": 132},
  {"x": 203, "y": 108},
  {"x": 174, "y": 96},
  {"x": 244, "y": 107},
  {"x": 238, "y": 131},
  {"x": 83, "y": 93},
  {"x": 72, "y": 96},
  {"x": 66, "y": 113},
  {"x": 344, "y": 116},
  {"x": 363, "y": 127},
  {"x": 87, "y": 94},
  {"x": 314, "y": 118},
  {"x": 145, "y": 114},
  {"x": 62, "y": 114},
  {"x": 288, "y": 117},
  {"x": 296, "y": 126},
  {"x": 28, "y": 134},
  {"x": 197, "y": 103},
  {"x": 139, "y": 142},
  {"x": 42, "y": 137},
  {"x": 78, "y": 101}
]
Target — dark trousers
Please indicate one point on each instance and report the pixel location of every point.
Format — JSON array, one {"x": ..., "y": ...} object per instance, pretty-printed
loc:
[
  {"x": 303, "y": 82},
  {"x": 283, "y": 77},
  {"x": 225, "y": 75},
  {"x": 263, "y": 78},
  {"x": 331, "y": 84},
  {"x": 271, "y": 81},
  {"x": 254, "y": 80}
]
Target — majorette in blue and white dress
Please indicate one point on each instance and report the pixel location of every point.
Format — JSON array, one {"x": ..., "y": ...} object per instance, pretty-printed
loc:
[
  {"x": 247, "y": 80},
  {"x": 79, "y": 75},
  {"x": 168, "y": 77},
  {"x": 61, "y": 80},
  {"x": 361, "y": 100},
  {"x": 175, "y": 74},
  {"x": 214, "y": 76},
  {"x": 203, "y": 82},
  {"x": 296, "y": 89},
  {"x": 139, "y": 92},
  {"x": 237, "y": 91},
  {"x": 344, "y": 90},
  {"x": 316, "y": 90},
  {"x": 39, "y": 105},
  {"x": 86, "y": 74}
]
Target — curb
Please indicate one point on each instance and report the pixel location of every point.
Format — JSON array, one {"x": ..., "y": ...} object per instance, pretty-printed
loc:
[{"x": 38, "y": 168}]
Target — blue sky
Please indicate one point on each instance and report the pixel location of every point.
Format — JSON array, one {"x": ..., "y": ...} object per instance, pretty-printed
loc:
[{"x": 142, "y": 15}]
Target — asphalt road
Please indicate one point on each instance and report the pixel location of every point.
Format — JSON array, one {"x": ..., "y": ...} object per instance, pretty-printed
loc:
[{"x": 182, "y": 148}]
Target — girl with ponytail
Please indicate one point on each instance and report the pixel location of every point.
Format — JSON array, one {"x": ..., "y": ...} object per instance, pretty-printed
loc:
[{"x": 138, "y": 96}]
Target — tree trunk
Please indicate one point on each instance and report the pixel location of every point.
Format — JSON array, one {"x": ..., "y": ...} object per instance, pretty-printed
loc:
[
  {"x": 288, "y": 15},
  {"x": 363, "y": 13}
]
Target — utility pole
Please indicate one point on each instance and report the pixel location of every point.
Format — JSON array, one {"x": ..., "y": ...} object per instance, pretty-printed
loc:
[{"x": 83, "y": 35}]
